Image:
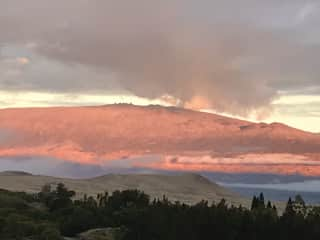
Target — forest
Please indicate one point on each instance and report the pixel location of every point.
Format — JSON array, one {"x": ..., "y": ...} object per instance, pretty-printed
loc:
[{"x": 54, "y": 213}]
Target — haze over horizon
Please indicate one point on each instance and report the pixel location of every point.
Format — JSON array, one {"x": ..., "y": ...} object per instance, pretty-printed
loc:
[{"x": 257, "y": 60}]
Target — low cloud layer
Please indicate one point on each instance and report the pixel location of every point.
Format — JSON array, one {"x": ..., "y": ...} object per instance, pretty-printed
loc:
[{"x": 230, "y": 56}]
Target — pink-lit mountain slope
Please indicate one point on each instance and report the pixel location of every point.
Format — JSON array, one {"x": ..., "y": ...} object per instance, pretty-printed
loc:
[{"x": 181, "y": 139}]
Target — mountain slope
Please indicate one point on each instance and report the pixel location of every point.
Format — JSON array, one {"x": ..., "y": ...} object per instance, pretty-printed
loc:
[
  {"x": 183, "y": 138},
  {"x": 187, "y": 188}
]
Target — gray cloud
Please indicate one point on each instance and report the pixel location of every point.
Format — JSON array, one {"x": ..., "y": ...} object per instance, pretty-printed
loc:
[
  {"x": 232, "y": 56},
  {"x": 50, "y": 167}
]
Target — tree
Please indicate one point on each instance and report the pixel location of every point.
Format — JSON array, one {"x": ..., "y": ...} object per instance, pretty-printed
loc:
[
  {"x": 222, "y": 204},
  {"x": 269, "y": 206},
  {"x": 46, "y": 196},
  {"x": 289, "y": 208},
  {"x": 128, "y": 198},
  {"x": 254, "y": 203},
  {"x": 78, "y": 221},
  {"x": 63, "y": 192},
  {"x": 61, "y": 198},
  {"x": 258, "y": 202},
  {"x": 261, "y": 202},
  {"x": 299, "y": 205}
]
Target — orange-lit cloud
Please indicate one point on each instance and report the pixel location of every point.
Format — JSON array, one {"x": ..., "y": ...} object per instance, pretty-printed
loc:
[{"x": 198, "y": 103}]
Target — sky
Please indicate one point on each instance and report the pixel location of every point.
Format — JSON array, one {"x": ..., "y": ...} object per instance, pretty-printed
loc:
[{"x": 252, "y": 59}]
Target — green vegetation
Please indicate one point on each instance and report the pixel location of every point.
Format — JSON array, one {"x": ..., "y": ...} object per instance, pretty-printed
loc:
[{"x": 132, "y": 215}]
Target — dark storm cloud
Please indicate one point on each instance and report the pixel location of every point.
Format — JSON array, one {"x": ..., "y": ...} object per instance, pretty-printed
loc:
[{"x": 232, "y": 56}]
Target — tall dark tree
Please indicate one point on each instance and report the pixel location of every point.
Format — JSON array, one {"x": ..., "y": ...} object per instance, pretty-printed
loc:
[
  {"x": 269, "y": 205},
  {"x": 261, "y": 201},
  {"x": 254, "y": 203}
]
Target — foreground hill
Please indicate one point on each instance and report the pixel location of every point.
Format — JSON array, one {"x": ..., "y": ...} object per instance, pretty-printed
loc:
[
  {"x": 187, "y": 188},
  {"x": 182, "y": 139}
]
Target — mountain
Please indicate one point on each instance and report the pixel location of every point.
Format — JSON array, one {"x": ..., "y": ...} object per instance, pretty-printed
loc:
[
  {"x": 157, "y": 137},
  {"x": 187, "y": 188}
]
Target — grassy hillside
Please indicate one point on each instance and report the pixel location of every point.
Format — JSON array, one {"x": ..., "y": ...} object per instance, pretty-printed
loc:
[{"x": 187, "y": 188}]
